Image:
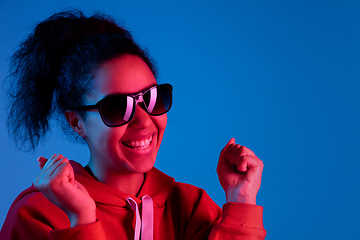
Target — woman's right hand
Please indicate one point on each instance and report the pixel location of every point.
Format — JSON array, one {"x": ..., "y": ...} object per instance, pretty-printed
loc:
[{"x": 57, "y": 182}]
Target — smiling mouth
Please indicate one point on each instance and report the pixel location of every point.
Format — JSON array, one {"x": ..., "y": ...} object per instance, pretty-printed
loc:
[{"x": 139, "y": 144}]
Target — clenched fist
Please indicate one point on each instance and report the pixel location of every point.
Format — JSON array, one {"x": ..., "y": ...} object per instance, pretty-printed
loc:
[
  {"x": 239, "y": 171},
  {"x": 57, "y": 182}
]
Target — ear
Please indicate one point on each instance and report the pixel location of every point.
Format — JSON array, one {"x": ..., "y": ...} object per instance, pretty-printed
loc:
[{"x": 76, "y": 122}]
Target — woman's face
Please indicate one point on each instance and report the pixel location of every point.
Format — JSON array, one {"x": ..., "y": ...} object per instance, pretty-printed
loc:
[{"x": 111, "y": 148}]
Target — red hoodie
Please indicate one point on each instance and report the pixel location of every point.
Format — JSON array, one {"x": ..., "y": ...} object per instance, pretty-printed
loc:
[{"x": 180, "y": 211}]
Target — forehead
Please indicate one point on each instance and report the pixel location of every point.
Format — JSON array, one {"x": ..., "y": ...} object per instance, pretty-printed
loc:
[{"x": 126, "y": 74}]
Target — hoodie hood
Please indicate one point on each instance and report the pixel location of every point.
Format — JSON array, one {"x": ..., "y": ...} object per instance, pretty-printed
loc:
[{"x": 107, "y": 195}]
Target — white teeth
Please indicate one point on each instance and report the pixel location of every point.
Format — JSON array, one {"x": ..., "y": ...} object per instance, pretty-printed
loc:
[{"x": 139, "y": 144}]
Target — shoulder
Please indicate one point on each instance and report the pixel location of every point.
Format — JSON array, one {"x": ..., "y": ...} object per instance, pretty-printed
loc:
[
  {"x": 192, "y": 205},
  {"x": 195, "y": 196},
  {"x": 32, "y": 206},
  {"x": 30, "y": 197},
  {"x": 163, "y": 188},
  {"x": 190, "y": 199},
  {"x": 188, "y": 190}
]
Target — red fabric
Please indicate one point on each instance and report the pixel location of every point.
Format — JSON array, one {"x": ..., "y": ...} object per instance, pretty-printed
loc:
[{"x": 181, "y": 211}]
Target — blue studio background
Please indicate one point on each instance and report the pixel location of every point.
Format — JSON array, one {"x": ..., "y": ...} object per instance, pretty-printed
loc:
[{"x": 282, "y": 77}]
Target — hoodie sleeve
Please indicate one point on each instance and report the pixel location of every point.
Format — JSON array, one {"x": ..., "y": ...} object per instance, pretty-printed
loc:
[
  {"x": 92, "y": 231},
  {"x": 239, "y": 221},
  {"x": 33, "y": 217},
  {"x": 205, "y": 220}
]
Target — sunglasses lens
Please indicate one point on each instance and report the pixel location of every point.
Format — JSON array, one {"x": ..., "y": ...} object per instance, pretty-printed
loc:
[
  {"x": 158, "y": 100},
  {"x": 116, "y": 110}
]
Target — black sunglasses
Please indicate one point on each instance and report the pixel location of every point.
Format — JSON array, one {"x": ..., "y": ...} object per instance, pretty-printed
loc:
[{"x": 117, "y": 110}]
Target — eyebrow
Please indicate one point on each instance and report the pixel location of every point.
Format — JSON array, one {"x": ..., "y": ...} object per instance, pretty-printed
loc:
[{"x": 114, "y": 94}]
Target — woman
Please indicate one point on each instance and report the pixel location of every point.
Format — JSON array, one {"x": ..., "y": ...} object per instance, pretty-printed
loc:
[{"x": 91, "y": 71}]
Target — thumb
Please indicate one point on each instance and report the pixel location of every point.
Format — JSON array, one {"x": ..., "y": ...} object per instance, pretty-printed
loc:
[
  {"x": 231, "y": 141},
  {"x": 222, "y": 153},
  {"x": 41, "y": 160}
]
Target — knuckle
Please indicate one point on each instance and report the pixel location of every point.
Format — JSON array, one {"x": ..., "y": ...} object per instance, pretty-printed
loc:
[
  {"x": 63, "y": 160},
  {"x": 61, "y": 163},
  {"x": 261, "y": 163},
  {"x": 244, "y": 149},
  {"x": 235, "y": 147}
]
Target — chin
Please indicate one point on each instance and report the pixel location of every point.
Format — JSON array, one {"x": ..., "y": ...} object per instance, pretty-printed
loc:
[{"x": 144, "y": 168}]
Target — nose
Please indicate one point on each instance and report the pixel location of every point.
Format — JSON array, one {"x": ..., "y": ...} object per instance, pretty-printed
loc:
[{"x": 141, "y": 118}]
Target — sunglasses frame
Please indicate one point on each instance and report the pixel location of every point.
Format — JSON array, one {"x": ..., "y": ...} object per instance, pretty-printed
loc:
[{"x": 138, "y": 99}]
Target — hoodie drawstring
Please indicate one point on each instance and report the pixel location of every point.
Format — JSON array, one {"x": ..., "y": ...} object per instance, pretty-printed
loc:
[{"x": 146, "y": 224}]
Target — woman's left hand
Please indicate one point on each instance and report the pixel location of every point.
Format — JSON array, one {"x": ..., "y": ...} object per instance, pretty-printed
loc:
[{"x": 239, "y": 171}]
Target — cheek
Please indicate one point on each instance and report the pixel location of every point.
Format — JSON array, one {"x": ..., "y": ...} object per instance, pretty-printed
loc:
[
  {"x": 101, "y": 135},
  {"x": 94, "y": 125},
  {"x": 160, "y": 122}
]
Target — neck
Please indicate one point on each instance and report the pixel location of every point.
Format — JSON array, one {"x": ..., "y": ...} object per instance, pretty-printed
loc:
[{"x": 127, "y": 182}]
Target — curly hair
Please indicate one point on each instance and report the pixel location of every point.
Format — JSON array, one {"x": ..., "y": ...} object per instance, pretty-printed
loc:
[{"x": 53, "y": 70}]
